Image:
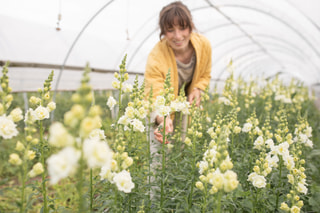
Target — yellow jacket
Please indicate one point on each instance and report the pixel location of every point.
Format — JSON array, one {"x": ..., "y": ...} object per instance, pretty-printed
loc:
[{"x": 161, "y": 58}]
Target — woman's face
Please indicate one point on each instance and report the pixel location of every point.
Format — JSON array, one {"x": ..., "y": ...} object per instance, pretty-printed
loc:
[{"x": 178, "y": 37}]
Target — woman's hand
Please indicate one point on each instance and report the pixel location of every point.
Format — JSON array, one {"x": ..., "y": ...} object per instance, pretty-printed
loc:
[
  {"x": 169, "y": 128},
  {"x": 195, "y": 95}
]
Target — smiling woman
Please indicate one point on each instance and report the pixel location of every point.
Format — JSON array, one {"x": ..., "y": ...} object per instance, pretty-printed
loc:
[{"x": 186, "y": 53}]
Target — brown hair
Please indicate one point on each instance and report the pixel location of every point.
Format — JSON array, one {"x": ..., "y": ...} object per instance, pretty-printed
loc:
[{"x": 172, "y": 11}]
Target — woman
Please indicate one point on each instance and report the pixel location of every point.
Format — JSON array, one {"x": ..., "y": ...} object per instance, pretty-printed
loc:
[{"x": 186, "y": 53}]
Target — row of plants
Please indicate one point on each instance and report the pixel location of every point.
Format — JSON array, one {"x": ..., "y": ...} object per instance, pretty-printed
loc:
[{"x": 254, "y": 147}]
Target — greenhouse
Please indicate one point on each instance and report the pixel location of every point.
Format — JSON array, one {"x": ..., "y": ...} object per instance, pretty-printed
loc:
[{"x": 80, "y": 100}]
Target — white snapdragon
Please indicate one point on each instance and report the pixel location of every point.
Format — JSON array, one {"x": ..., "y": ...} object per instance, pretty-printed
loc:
[
  {"x": 130, "y": 112},
  {"x": 303, "y": 138},
  {"x": 141, "y": 112},
  {"x": 160, "y": 101},
  {"x": 127, "y": 88},
  {"x": 224, "y": 100},
  {"x": 97, "y": 134},
  {"x": 180, "y": 106},
  {"x": 210, "y": 155},
  {"x": 30, "y": 115},
  {"x": 216, "y": 179},
  {"x": 257, "y": 131},
  {"x": 124, "y": 120},
  {"x": 97, "y": 153},
  {"x": 230, "y": 181},
  {"x": 16, "y": 115},
  {"x": 281, "y": 149},
  {"x": 115, "y": 84},
  {"x": 51, "y": 106},
  {"x": 302, "y": 188},
  {"x": 41, "y": 113},
  {"x": 269, "y": 143},
  {"x": 309, "y": 143},
  {"x": 308, "y": 131},
  {"x": 187, "y": 141},
  {"x": 59, "y": 136},
  {"x": 258, "y": 181},
  {"x": 258, "y": 143},
  {"x": 163, "y": 110},
  {"x": 288, "y": 161},
  {"x": 137, "y": 125},
  {"x": 63, "y": 164},
  {"x": 106, "y": 173},
  {"x": 7, "y": 127},
  {"x": 272, "y": 160},
  {"x": 247, "y": 127},
  {"x": 111, "y": 102},
  {"x": 203, "y": 166},
  {"x": 123, "y": 181},
  {"x": 185, "y": 109}
]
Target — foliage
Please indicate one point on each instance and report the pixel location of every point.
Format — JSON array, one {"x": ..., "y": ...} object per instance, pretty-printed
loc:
[{"x": 223, "y": 163}]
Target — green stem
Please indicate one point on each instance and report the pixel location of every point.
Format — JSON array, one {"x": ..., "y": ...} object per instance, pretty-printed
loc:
[
  {"x": 43, "y": 175},
  {"x": 180, "y": 132},
  {"x": 91, "y": 191},
  {"x": 193, "y": 171},
  {"x": 149, "y": 161},
  {"x": 218, "y": 209},
  {"x": 119, "y": 100},
  {"x": 80, "y": 183},
  {"x": 279, "y": 184},
  {"x": 23, "y": 179},
  {"x": 163, "y": 162},
  {"x": 232, "y": 147},
  {"x": 204, "y": 206}
]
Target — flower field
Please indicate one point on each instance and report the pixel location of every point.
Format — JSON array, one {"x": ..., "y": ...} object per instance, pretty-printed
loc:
[{"x": 253, "y": 147}]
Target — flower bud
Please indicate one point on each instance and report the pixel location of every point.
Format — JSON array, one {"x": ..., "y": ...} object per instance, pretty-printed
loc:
[
  {"x": 14, "y": 159},
  {"x": 199, "y": 185},
  {"x": 19, "y": 146},
  {"x": 31, "y": 154}
]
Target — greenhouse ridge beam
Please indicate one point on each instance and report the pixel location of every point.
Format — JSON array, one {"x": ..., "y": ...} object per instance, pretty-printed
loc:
[{"x": 53, "y": 66}]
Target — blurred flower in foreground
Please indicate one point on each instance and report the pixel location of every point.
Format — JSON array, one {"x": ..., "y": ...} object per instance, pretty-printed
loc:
[{"x": 62, "y": 164}]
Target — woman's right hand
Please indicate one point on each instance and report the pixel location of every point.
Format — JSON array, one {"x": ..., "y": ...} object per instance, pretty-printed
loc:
[{"x": 158, "y": 132}]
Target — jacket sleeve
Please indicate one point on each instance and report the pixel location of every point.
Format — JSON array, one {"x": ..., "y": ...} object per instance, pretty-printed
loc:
[
  {"x": 205, "y": 66},
  {"x": 154, "y": 75}
]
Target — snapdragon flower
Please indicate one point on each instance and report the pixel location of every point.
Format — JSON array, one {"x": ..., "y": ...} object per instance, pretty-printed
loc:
[
  {"x": 41, "y": 113},
  {"x": 224, "y": 100},
  {"x": 15, "y": 159},
  {"x": 258, "y": 143},
  {"x": 258, "y": 181},
  {"x": 51, "y": 106},
  {"x": 127, "y": 88},
  {"x": 59, "y": 136},
  {"x": 97, "y": 134},
  {"x": 37, "y": 169},
  {"x": 63, "y": 164},
  {"x": 111, "y": 102},
  {"x": 247, "y": 127},
  {"x": 123, "y": 181},
  {"x": 97, "y": 153},
  {"x": 16, "y": 115},
  {"x": 137, "y": 125},
  {"x": 7, "y": 128}
]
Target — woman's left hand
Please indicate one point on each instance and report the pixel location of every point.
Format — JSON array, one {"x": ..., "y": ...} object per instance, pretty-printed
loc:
[{"x": 195, "y": 95}]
